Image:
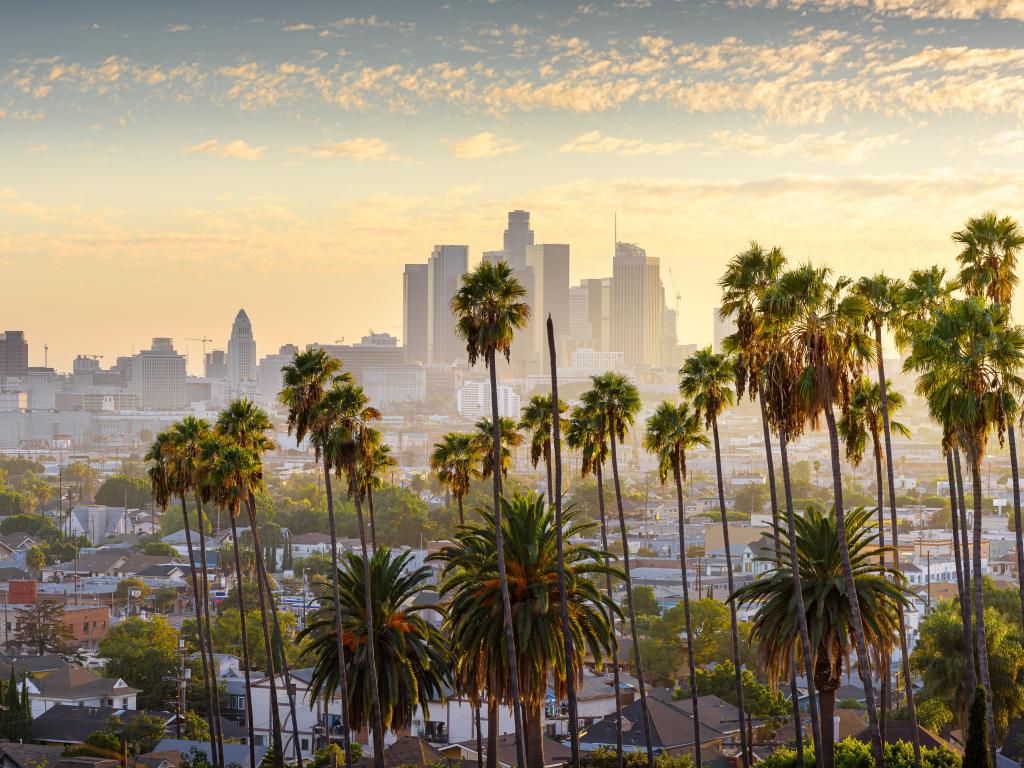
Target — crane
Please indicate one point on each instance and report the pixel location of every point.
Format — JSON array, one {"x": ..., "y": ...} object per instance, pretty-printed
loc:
[
  {"x": 205, "y": 340},
  {"x": 676, "y": 290}
]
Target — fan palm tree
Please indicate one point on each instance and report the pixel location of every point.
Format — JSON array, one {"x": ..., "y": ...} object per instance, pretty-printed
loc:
[
  {"x": 410, "y": 653},
  {"x": 672, "y": 430},
  {"x": 988, "y": 267},
  {"x": 510, "y": 438},
  {"x": 958, "y": 356},
  {"x": 587, "y": 434},
  {"x": 826, "y": 332},
  {"x": 820, "y": 558},
  {"x": 746, "y": 279},
  {"x": 247, "y": 425},
  {"x": 455, "y": 461},
  {"x": 489, "y": 307},
  {"x": 536, "y": 421},
  {"x": 707, "y": 379},
  {"x": 233, "y": 471},
  {"x": 474, "y": 612},
  {"x": 377, "y": 461},
  {"x": 349, "y": 446},
  {"x": 306, "y": 381},
  {"x": 162, "y": 477},
  {"x": 618, "y": 401}
]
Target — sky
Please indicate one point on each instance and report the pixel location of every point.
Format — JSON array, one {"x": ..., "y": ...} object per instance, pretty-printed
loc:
[{"x": 163, "y": 164}]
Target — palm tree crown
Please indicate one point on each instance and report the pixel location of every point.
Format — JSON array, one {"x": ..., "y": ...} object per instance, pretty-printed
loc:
[{"x": 489, "y": 308}]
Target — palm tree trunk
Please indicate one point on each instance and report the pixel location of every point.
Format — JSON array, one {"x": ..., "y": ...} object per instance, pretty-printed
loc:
[
  {"x": 638, "y": 663},
  {"x": 499, "y": 542},
  {"x": 218, "y": 733},
  {"x": 687, "y": 622},
  {"x": 277, "y": 639},
  {"x": 827, "y": 699},
  {"x": 492, "y": 732},
  {"x": 198, "y": 598},
  {"x": 744, "y": 745},
  {"x": 346, "y": 735},
  {"x": 462, "y": 514},
  {"x": 882, "y": 660},
  {"x": 250, "y": 715},
  {"x": 373, "y": 523},
  {"x": 962, "y": 595},
  {"x": 479, "y": 738},
  {"x": 611, "y": 622},
  {"x": 908, "y": 682},
  {"x": 547, "y": 464},
  {"x": 979, "y": 608},
  {"x": 567, "y": 637},
  {"x": 773, "y": 495},
  {"x": 534, "y": 738},
  {"x": 851, "y": 590},
  {"x": 968, "y": 592},
  {"x": 371, "y": 636},
  {"x": 1015, "y": 478}
]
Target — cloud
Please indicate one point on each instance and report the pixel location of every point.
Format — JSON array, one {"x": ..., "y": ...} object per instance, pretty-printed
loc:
[
  {"x": 484, "y": 145},
  {"x": 179, "y": 28},
  {"x": 39, "y": 148},
  {"x": 915, "y": 9},
  {"x": 834, "y": 148},
  {"x": 236, "y": 149},
  {"x": 302, "y": 27},
  {"x": 354, "y": 149},
  {"x": 1004, "y": 143},
  {"x": 594, "y": 143}
]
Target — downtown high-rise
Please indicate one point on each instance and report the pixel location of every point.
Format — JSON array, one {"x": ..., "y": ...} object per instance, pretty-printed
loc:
[
  {"x": 445, "y": 268},
  {"x": 637, "y": 306},
  {"x": 241, "y": 354}
]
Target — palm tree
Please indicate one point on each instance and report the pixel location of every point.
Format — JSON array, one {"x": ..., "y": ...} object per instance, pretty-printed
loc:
[
  {"x": 411, "y": 654},
  {"x": 672, "y": 431},
  {"x": 587, "y": 434},
  {"x": 455, "y": 461},
  {"x": 988, "y": 267},
  {"x": 474, "y": 612},
  {"x": 510, "y": 438},
  {"x": 707, "y": 379},
  {"x": 349, "y": 446},
  {"x": 162, "y": 477},
  {"x": 247, "y": 425},
  {"x": 536, "y": 420},
  {"x": 306, "y": 381},
  {"x": 958, "y": 356},
  {"x": 377, "y": 461},
  {"x": 489, "y": 308},
  {"x": 618, "y": 401},
  {"x": 826, "y": 332},
  {"x": 746, "y": 279},
  {"x": 822, "y": 564}
]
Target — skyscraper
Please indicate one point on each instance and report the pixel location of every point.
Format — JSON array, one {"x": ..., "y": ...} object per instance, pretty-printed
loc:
[
  {"x": 414, "y": 313},
  {"x": 215, "y": 364},
  {"x": 599, "y": 311},
  {"x": 579, "y": 314},
  {"x": 447, "y": 265},
  {"x": 550, "y": 266},
  {"x": 241, "y": 353},
  {"x": 518, "y": 236},
  {"x": 158, "y": 376},
  {"x": 722, "y": 328},
  {"x": 13, "y": 355},
  {"x": 638, "y": 306}
]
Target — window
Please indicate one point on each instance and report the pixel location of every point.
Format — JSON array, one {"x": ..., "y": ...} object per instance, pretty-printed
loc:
[
  {"x": 85, "y": 626},
  {"x": 110, "y": 702},
  {"x": 305, "y": 744}
]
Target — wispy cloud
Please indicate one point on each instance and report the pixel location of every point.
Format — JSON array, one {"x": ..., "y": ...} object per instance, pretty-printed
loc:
[
  {"x": 484, "y": 145},
  {"x": 359, "y": 148},
  {"x": 179, "y": 28},
  {"x": 301, "y": 27},
  {"x": 1004, "y": 143},
  {"x": 836, "y": 147},
  {"x": 594, "y": 143},
  {"x": 236, "y": 149}
]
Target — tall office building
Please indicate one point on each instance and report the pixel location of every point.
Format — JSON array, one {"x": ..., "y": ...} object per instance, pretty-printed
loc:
[
  {"x": 414, "y": 313},
  {"x": 268, "y": 372},
  {"x": 579, "y": 314},
  {"x": 549, "y": 264},
  {"x": 638, "y": 306},
  {"x": 670, "y": 356},
  {"x": 158, "y": 377},
  {"x": 215, "y": 364},
  {"x": 241, "y": 353},
  {"x": 13, "y": 355},
  {"x": 445, "y": 268},
  {"x": 518, "y": 237},
  {"x": 722, "y": 329},
  {"x": 599, "y": 311}
]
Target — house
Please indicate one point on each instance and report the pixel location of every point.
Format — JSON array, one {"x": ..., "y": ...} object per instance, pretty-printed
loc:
[
  {"x": 714, "y": 713},
  {"x": 233, "y": 753},
  {"x": 306, "y": 544},
  {"x": 97, "y": 522},
  {"x": 672, "y": 730},
  {"x": 407, "y": 751},
  {"x": 77, "y": 687},
  {"x": 556, "y": 754},
  {"x": 15, "y": 755},
  {"x": 13, "y": 546},
  {"x": 1012, "y": 749},
  {"x": 104, "y": 563},
  {"x": 68, "y": 724},
  {"x": 900, "y": 730},
  {"x": 88, "y": 624}
]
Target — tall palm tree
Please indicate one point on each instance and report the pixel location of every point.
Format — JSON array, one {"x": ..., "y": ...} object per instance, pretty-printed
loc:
[
  {"x": 707, "y": 379},
  {"x": 618, "y": 400},
  {"x": 536, "y": 421},
  {"x": 473, "y": 615},
  {"x": 877, "y": 590},
  {"x": 247, "y": 425},
  {"x": 377, "y": 462},
  {"x": 162, "y": 477},
  {"x": 455, "y": 461},
  {"x": 349, "y": 446},
  {"x": 958, "y": 356},
  {"x": 586, "y": 433},
  {"x": 510, "y": 439},
  {"x": 489, "y": 307},
  {"x": 233, "y": 470},
  {"x": 826, "y": 331},
  {"x": 747, "y": 278},
  {"x": 306, "y": 381},
  {"x": 988, "y": 267},
  {"x": 411, "y": 654},
  {"x": 672, "y": 430}
]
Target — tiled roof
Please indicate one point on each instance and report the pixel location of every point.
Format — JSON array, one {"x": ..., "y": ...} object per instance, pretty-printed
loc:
[{"x": 75, "y": 683}]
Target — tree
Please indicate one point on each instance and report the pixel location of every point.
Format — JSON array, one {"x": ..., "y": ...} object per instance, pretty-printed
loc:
[
  {"x": 455, "y": 461},
  {"x": 475, "y": 624},
  {"x": 706, "y": 378},
  {"x": 144, "y": 653},
  {"x": 376, "y": 462},
  {"x": 227, "y": 628},
  {"x": 42, "y": 628},
  {"x": 536, "y": 420},
  {"x": 195, "y": 728},
  {"x": 617, "y": 399},
  {"x": 878, "y": 591},
  {"x": 489, "y": 307},
  {"x": 159, "y": 549},
  {"x": 35, "y": 559},
  {"x": 116, "y": 489},
  {"x": 976, "y": 754},
  {"x": 644, "y": 601}
]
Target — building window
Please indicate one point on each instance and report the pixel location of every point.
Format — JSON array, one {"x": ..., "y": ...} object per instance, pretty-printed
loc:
[
  {"x": 110, "y": 702},
  {"x": 305, "y": 744},
  {"x": 85, "y": 626}
]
